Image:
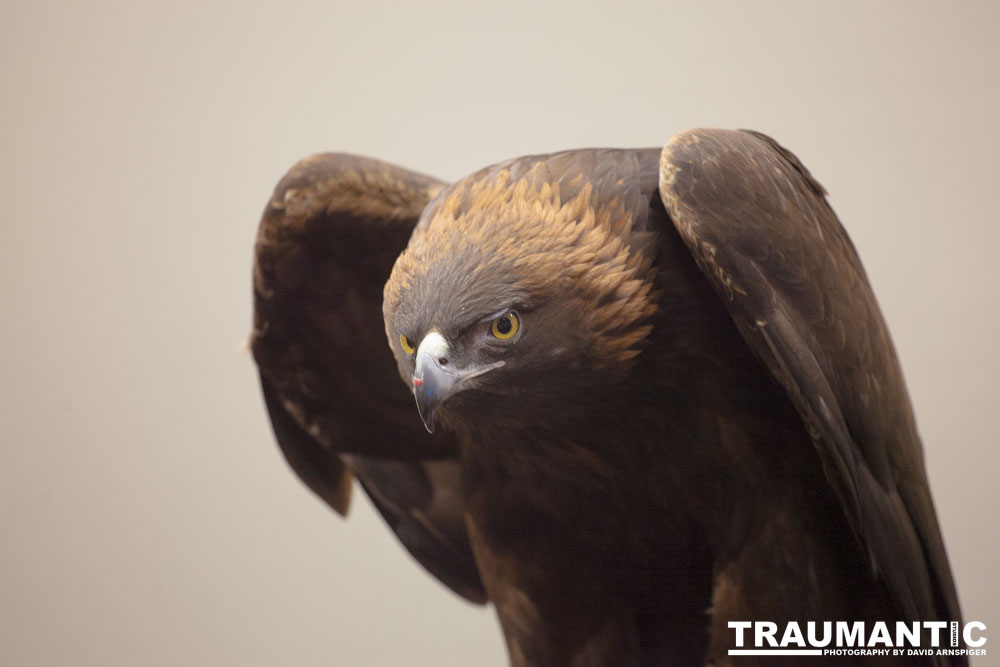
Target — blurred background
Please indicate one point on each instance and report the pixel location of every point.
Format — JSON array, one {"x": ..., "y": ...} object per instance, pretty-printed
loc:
[{"x": 147, "y": 515}]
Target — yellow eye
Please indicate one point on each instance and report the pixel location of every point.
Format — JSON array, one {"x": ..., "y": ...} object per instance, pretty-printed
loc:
[
  {"x": 407, "y": 346},
  {"x": 505, "y": 326}
]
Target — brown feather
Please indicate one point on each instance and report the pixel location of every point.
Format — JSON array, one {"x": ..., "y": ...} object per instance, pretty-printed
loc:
[{"x": 757, "y": 222}]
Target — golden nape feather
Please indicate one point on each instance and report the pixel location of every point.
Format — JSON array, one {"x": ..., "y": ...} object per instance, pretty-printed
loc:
[{"x": 543, "y": 234}]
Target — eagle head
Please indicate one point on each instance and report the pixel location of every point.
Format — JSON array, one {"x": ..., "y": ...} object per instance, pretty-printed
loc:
[{"x": 524, "y": 295}]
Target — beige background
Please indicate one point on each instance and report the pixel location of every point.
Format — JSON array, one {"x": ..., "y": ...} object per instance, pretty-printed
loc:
[{"x": 147, "y": 517}]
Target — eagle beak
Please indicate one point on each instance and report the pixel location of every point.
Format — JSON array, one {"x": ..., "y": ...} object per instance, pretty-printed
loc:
[
  {"x": 436, "y": 377},
  {"x": 433, "y": 381}
]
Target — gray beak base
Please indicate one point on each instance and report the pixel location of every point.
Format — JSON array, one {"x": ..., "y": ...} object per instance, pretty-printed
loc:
[
  {"x": 431, "y": 386},
  {"x": 435, "y": 377},
  {"x": 432, "y": 383}
]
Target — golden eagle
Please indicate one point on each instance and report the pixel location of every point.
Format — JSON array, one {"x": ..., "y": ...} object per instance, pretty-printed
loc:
[{"x": 658, "y": 392}]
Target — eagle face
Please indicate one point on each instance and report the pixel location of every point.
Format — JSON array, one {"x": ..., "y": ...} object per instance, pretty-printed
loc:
[
  {"x": 513, "y": 294},
  {"x": 481, "y": 348},
  {"x": 451, "y": 358}
]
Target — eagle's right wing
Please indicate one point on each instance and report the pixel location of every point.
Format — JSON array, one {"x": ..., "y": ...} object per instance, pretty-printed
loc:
[{"x": 326, "y": 244}]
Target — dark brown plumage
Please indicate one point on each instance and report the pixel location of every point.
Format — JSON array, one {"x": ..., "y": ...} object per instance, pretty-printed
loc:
[{"x": 661, "y": 392}]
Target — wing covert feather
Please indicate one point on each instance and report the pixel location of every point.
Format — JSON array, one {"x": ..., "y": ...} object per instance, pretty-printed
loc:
[
  {"x": 325, "y": 247},
  {"x": 761, "y": 230}
]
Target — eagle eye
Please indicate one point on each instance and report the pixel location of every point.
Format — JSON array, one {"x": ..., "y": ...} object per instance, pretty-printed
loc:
[
  {"x": 505, "y": 326},
  {"x": 408, "y": 347}
]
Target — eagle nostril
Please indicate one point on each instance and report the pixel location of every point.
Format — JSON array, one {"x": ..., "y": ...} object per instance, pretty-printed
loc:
[{"x": 443, "y": 361}]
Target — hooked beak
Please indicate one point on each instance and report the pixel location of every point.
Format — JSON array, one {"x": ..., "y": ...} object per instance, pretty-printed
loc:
[{"x": 436, "y": 377}]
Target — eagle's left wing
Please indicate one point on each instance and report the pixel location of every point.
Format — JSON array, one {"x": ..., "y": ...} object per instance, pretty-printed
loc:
[{"x": 763, "y": 234}]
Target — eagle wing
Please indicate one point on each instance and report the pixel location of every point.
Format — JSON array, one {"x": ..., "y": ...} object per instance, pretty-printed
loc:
[
  {"x": 761, "y": 230},
  {"x": 325, "y": 247}
]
